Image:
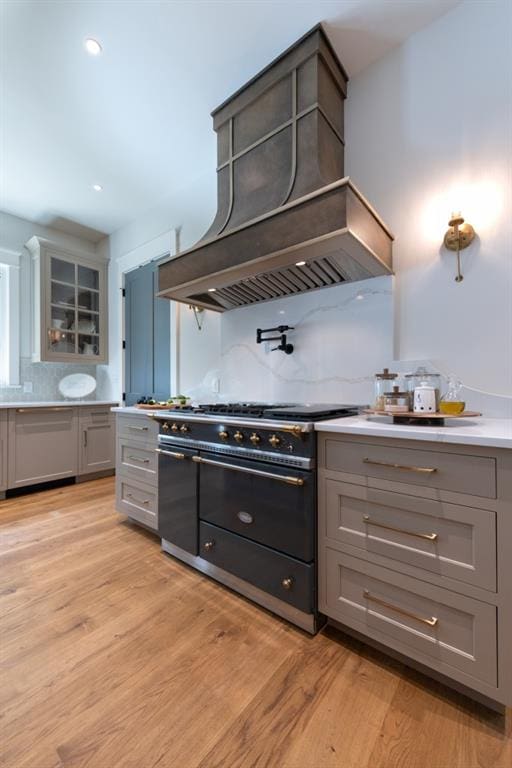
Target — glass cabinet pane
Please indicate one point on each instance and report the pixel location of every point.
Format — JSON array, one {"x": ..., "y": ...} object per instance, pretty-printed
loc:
[
  {"x": 88, "y": 300},
  {"x": 62, "y": 319},
  {"x": 88, "y": 345},
  {"x": 88, "y": 278},
  {"x": 88, "y": 322},
  {"x": 61, "y": 342},
  {"x": 62, "y": 294},
  {"x": 63, "y": 271}
]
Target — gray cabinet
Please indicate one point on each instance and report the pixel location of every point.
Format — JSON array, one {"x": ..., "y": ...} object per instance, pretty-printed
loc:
[
  {"x": 42, "y": 445},
  {"x": 415, "y": 545},
  {"x": 137, "y": 468},
  {"x": 3, "y": 452},
  {"x": 70, "y": 306},
  {"x": 96, "y": 439}
]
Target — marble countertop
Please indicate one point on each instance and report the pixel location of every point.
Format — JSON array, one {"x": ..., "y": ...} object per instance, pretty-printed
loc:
[
  {"x": 133, "y": 410},
  {"x": 55, "y": 403},
  {"x": 496, "y": 433}
]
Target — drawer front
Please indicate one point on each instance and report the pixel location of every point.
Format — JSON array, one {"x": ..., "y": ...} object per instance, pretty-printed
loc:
[
  {"x": 448, "y": 539},
  {"x": 266, "y": 569},
  {"x": 137, "y": 461},
  {"x": 443, "y": 629},
  {"x": 454, "y": 472},
  {"x": 98, "y": 414},
  {"x": 137, "y": 500},
  {"x": 137, "y": 427}
]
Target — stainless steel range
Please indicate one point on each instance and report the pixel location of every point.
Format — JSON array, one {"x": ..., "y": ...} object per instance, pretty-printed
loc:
[{"x": 237, "y": 498}]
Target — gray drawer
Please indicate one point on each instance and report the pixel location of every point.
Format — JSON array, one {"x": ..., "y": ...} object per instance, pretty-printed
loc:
[
  {"x": 454, "y": 472},
  {"x": 137, "y": 461},
  {"x": 137, "y": 427},
  {"x": 137, "y": 500},
  {"x": 98, "y": 414},
  {"x": 442, "y": 629},
  {"x": 448, "y": 539},
  {"x": 259, "y": 565}
]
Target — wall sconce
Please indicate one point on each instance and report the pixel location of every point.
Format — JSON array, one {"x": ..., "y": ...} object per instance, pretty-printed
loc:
[{"x": 457, "y": 237}]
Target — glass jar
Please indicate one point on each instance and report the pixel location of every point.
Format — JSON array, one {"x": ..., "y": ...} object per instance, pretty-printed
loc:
[
  {"x": 383, "y": 383},
  {"x": 452, "y": 403},
  {"x": 396, "y": 401},
  {"x": 421, "y": 375}
]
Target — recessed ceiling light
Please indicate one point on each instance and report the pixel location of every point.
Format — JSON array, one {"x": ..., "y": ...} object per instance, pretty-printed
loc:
[
  {"x": 300, "y": 263},
  {"x": 359, "y": 296},
  {"x": 97, "y": 187},
  {"x": 92, "y": 46},
  {"x": 211, "y": 290}
]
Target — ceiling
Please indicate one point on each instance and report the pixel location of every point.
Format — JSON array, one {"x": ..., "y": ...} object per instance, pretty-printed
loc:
[{"x": 136, "y": 119}]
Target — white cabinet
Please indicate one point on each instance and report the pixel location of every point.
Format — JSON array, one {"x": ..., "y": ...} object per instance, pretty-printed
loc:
[{"x": 70, "y": 307}]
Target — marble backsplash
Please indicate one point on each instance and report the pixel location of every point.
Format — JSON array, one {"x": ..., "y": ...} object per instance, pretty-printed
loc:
[
  {"x": 45, "y": 378},
  {"x": 342, "y": 336}
]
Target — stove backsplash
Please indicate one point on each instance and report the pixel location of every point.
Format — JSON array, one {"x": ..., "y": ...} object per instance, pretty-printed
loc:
[{"x": 342, "y": 336}]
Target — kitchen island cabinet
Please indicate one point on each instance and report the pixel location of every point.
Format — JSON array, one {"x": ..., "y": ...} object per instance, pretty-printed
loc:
[
  {"x": 137, "y": 466},
  {"x": 415, "y": 544}
]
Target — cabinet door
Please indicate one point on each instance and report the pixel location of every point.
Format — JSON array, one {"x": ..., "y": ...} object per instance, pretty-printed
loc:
[
  {"x": 42, "y": 445},
  {"x": 97, "y": 443},
  {"x": 147, "y": 336},
  {"x": 3, "y": 450}
]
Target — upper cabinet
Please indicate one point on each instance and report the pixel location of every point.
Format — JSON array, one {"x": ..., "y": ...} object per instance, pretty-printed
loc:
[{"x": 70, "y": 306}]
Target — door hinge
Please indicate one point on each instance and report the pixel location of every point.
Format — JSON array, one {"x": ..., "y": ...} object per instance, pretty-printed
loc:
[
  {"x": 123, "y": 292},
  {"x": 124, "y": 344},
  {"x": 124, "y": 397}
]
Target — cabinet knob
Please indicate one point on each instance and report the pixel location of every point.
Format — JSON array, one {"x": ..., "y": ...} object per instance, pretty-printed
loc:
[
  {"x": 223, "y": 435},
  {"x": 287, "y": 583},
  {"x": 165, "y": 427},
  {"x": 184, "y": 428},
  {"x": 238, "y": 436},
  {"x": 255, "y": 438},
  {"x": 174, "y": 427},
  {"x": 274, "y": 441},
  {"x": 208, "y": 545}
]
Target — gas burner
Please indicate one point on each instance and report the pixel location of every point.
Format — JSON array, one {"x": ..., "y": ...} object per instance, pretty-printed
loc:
[{"x": 256, "y": 410}]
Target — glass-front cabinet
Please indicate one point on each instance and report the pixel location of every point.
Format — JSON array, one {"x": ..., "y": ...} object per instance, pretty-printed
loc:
[{"x": 70, "y": 310}]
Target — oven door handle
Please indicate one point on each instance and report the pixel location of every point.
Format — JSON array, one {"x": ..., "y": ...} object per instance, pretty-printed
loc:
[
  {"x": 249, "y": 471},
  {"x": 172, "y": 454}
]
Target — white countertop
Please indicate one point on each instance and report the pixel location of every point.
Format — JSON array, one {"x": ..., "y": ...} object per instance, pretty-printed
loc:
[
  {"x": 496, "y": 433},
  {"x": 131, "y": 409},
  {"x": 55, "y": 403}
]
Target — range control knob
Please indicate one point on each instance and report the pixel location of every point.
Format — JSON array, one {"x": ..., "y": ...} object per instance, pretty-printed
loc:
[
  {"x": 223, "y": 435},
  {"x": 287, "y": 583},
  {"x": 238, "y": 436},
  {"x": 165, "y": 427},
  {"x": 184, "y": 428},
  {"x": 274, "y": 441},
  {"x": 255, "y": 438},
  {"x": 175, "y": 427}
]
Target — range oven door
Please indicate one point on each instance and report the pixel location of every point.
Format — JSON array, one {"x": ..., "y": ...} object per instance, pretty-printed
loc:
[
  {"x": 269, "y": 504},
  {"x": 177, "y": 497}
]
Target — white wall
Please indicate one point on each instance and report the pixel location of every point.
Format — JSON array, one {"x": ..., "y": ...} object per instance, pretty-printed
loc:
[
  {"x": 196, "y": 352},
  {"x": 428, "y": 130}
]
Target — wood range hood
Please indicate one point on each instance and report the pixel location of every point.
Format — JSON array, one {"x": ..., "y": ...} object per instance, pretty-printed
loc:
[{"x": 288, "y": 220}]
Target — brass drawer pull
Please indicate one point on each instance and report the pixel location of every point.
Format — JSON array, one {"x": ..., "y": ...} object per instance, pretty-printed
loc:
[
  {"x": 426, "y": 470},
  {"x": 137, "y": 458},
  {"x": 249, "y": 471},
  {"x": 37, "y": 408},
  {"x": 138, "y": 429},
  {"x": 430, "y": 622},
  {"x": 136, "y": 500},
  {"x": 172, "y": 454},
  {"x": 427, "y": 536}
]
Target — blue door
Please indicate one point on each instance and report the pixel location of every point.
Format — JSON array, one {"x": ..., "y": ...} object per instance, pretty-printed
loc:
[{"x": 147, "y": 336}]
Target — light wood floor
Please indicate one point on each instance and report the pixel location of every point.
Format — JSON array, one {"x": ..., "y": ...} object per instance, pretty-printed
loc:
[{"x": 116, "y": 656}]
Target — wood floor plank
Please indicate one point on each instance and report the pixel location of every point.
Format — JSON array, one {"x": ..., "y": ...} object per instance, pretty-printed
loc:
[{"x": 114, "y": 655}]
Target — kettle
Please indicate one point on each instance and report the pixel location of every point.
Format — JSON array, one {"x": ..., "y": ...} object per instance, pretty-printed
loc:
[{"x": 424, "y": 398}]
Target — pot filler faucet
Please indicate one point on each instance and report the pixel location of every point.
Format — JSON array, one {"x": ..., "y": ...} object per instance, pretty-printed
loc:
[{"x": 281, "y": 329}]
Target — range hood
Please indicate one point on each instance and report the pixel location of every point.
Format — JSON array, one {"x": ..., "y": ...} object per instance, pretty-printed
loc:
[{"x": 288, "y": 220}]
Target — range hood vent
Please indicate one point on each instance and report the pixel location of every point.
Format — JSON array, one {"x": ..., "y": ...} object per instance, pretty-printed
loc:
[{"x": 288, "y": 221}]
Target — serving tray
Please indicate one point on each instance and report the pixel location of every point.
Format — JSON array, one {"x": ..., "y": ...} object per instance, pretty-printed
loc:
[{"x": 424, "y": 419}]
